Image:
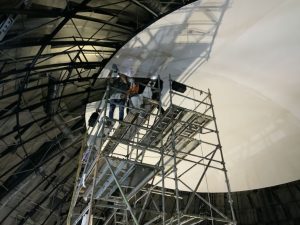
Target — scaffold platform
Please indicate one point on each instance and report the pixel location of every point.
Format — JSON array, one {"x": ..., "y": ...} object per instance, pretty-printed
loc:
[{"x": 116, "y": 179}]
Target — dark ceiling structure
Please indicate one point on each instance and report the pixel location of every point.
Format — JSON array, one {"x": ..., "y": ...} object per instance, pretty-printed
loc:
[{"x": 51, "y": 54}]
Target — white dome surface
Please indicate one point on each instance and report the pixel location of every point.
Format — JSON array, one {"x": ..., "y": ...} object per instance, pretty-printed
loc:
[{"x": 253, "y": 72}]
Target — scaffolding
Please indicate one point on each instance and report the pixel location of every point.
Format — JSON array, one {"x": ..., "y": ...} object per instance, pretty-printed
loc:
[{"x": 143, "y": 160}]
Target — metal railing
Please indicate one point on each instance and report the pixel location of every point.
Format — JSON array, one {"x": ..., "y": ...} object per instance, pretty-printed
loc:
[{"x": 127, "y": 165}]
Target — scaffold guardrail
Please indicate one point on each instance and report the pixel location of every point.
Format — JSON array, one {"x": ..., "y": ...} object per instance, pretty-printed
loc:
[{"x": 126, "y": 167}]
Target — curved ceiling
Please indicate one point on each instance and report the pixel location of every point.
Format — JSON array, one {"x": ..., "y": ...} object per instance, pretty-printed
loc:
[
  {"x": 51, "y": 53},
  {"x": 249, "y": 60}
]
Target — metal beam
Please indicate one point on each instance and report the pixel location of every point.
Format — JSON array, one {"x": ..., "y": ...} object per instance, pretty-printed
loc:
[
  {"x": 39, "y": 164},
  {"x": 68, "y": 65},
  {"x": 145, "y": 7},
  {"x": 29, "y": 165},
  {"x": 130, "y": 29},
  {"x": 39, "y": 41},
  {"x": 121, "y": 191},
  {"x": 51, "y": 55},
  {"x": 37, "y": 186},
  {"x": 36, "y": 105},
  {"x": 34, "y": 209},
  {"x": 41, "y": 11},
  {"x": 45, "y": 42},
  {"x": 23, "y": 127},
  {"x": 57, "y": 205},
  {"x": 64, "y": 82}
]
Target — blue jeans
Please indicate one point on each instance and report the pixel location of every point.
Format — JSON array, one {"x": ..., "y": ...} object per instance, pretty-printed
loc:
[{"x": 112, "y": 105}]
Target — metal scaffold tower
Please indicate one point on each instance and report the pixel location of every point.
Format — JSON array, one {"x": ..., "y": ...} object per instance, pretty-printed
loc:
[{"x": 134, "y": 171}]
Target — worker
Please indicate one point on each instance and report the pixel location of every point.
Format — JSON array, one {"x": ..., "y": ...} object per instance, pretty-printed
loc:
[
  {"x": 118, "y": 97},
  {"x": 157, "y": 87}
]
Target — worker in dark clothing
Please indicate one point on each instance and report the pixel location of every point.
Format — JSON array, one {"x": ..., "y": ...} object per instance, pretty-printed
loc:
[{"x": 118, "y": 95}]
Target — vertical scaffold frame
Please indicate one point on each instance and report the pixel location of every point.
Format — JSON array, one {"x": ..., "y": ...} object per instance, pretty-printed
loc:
[{"x": 134, "y": 171}]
